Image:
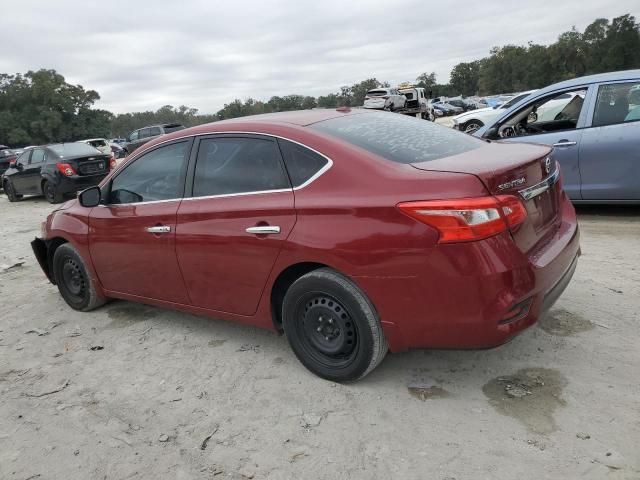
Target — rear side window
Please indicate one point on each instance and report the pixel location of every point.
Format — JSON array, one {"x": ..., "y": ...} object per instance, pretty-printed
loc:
[
  {"x": 617, "y": 103},
  {"x": 157, "y": 175},
  {"x": 37, "y": 156},
  {"x": 155, "y": 131},
  {"x": 302, "y": 164},
  {"x": 238, "y": 165},
  {"x": 399, "y": 138}
]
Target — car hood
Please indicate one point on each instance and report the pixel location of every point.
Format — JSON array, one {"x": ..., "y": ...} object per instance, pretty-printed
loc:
[{"x": 470, "y": 113}]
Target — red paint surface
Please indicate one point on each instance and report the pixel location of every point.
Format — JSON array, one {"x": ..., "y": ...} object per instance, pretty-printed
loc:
[{"x": 427, "y": 294}]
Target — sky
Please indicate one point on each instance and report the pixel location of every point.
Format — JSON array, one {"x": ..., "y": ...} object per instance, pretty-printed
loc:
[{"x": 140, "y": 55}]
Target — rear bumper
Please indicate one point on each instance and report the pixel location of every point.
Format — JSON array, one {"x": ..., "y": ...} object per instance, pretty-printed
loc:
[
  {"x": 478, "y": 294},
  {"x": 66, "y": 185}
]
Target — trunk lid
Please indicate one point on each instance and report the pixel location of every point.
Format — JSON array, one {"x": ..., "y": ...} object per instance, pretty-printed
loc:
[
  {"x": 513, "y": 169},
  {"x": 90, "y": 165}
]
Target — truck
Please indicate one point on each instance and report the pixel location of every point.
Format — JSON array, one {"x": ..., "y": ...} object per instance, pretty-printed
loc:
[{"x": 417, "y": 102}]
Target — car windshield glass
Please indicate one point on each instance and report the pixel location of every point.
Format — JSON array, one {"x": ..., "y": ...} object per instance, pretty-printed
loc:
[
  {"x": 399, "y": 138},
  {"x": 173, "y": 128},
  {"x": 73, "y": 149},
  {"x": 6, "y": 153},
  {"x": 377, "y": 93},
  {"x": 514, "y": 100}
]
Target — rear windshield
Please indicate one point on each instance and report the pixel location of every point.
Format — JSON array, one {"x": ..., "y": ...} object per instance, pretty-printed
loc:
[
  {"x": 5, "y": 153},
  {"x": 398, "y": 137},
  {"x": 377, "y": 93},
  {"x": 173, "y": 128},
  {"x": 98, "y": 143},
  {"x": 73, "y": 149}
]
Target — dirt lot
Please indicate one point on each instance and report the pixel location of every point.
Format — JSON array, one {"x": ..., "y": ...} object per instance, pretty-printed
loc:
[{"x": 130, "y": 391}]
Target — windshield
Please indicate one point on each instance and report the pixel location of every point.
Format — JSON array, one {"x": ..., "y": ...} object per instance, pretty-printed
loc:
[
  {"x": 399, "y": 138},
  {"x": 73, "y": 149},
  {"x": 514, "y": 100}
]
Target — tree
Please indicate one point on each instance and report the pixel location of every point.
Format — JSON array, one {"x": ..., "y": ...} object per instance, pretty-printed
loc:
[{"x": 464, "y": 78}]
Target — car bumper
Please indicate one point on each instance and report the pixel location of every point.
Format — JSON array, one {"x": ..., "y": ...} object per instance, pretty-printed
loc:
[
  {"x": 477, "y": 294},
  {"x": 67, "y": 185},
  {"x": 375, "y": 105}
]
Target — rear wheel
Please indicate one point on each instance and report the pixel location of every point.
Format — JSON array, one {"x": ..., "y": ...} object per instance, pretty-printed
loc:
[
  {"x": 10, "y": 191},
  {"x": 51, "y": 193},
  {"x": 332, "y": 327},
  {"x": 73, "y": 280}
]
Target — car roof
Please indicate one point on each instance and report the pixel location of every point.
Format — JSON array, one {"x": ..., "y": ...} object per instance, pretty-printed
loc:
[
  {"x": 92, "y": 139},
  {"x": 589, "y": 79}
]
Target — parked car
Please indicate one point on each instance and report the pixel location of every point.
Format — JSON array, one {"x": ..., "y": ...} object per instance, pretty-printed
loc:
[
  {"x": 458, "y": 102},
  {"x": 384, "y": 99},
  {"x": 119, "y": 141},
  {"x": 446, "y": 107},
  {"x": 352, "y": 231},
  {"x": 55, "y": 171},
  {"x": 7, "y": 156},
  {"x": 143, "y": 135},
  {"x": 100, "y": 144},
  {"x": 471, "y": 121},
  {"x": 118, "y": 152},
  {"x": 595, "y": 133}
]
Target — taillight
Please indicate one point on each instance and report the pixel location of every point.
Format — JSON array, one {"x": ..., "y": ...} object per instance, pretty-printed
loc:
[
  {"x": 467, "y": 219},
  {"x": 66, "y": 169},
  {"x": 112, "y": 163}
]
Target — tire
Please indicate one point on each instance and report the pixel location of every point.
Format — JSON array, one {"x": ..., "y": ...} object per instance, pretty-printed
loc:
[
  {"x": 10, "y": 191},
  {"x": 73, "y": 280},
  {"x": 50, "y": 192},
  {"x": 472, "y": 125},
  {"x": 332, "y": 327}
]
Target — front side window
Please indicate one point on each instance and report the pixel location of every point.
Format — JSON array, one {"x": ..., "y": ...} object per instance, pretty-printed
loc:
[
  {"x": 617, "y": 103},
  {"x": 554, "y": 113},
  {"x": 238, "y": 165},
  {"x": 134, "y": 136},
  {"x": 37, "y": 156},
  {"x": 156, "y": 175}
]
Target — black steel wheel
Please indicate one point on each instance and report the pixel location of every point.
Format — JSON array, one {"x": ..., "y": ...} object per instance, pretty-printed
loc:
[
  {"x": 74, "y": 283},
  {"x": 10, "y": 191},
  {"x": 332, "y": 327},
  {"x": 50, "y": 192}
]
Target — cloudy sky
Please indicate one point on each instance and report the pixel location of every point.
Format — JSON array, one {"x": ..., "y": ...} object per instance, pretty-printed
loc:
[{"x": 140, "y": 55}]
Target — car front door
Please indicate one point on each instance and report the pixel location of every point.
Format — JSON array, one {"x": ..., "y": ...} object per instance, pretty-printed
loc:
[
  {"x": 132, "y": 236},
  {"x": 18, "y": 177},
  {"x": 561, "y": 132},
  {"x": 231, "y": 229},
  {"x": 610, "y": 147}
]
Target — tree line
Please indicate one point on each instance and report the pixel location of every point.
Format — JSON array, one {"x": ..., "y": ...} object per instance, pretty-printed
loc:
[{"x": 41, "y": 107}]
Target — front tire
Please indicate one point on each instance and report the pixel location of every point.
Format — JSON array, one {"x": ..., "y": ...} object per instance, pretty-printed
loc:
[
  {"x": 11, "y": 192},
  {"x": 73, "y": 280},
  {"x": 51, "y": 193},
  {"x": 332, "y": 327},
  {"x": 472, "y": 125}
]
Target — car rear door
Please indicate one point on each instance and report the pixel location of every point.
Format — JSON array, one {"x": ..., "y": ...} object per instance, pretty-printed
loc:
[
  {"x": 132, "y": 236},
  {"x": 610, "y": 146},
  {"x": 31, "y": 178},
  {"x": 233, "y": 222}
]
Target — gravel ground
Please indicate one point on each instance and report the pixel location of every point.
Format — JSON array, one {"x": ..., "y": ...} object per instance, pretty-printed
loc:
[{"x": 131, "y": 391}]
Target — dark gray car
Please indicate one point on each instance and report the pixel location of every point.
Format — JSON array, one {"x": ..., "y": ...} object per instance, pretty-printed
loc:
[
  {"x": 593, "y": 123},
  {"x": 143, "y": 135}
]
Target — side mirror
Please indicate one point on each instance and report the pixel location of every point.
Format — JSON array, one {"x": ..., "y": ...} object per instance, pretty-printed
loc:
[
  {"x": 19, "y": 166},
  {"x": 90, "y": 197}
]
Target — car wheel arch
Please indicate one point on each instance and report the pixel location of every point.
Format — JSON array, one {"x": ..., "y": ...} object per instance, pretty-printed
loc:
[
  {"x": 52, "y": 246},
  {"x": 283, "y": 281}
]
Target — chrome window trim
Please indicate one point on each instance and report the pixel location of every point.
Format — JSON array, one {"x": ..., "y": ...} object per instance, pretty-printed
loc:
[
  {"x": 312, "y": 179},
  {"x": 543, "y": 186}
]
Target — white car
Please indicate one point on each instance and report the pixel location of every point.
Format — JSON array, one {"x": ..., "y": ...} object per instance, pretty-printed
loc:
[
  {"x": 384, "y": 99},
  {"x": 99, "y": 143},
  {"x": 472, "y": 120}
]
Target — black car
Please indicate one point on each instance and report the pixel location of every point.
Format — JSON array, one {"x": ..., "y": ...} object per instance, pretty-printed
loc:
[
  {"x": 143, "y": 135},
  {"x": 6, "y": 158},
  {"x": 466, "y": 106},
  {"x": 55, "y": 171}
]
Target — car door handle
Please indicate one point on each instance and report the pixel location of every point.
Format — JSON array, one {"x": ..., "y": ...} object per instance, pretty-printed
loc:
[
  {"x": 263, "y": 230},
  {"x": 564, "y": 143},
  {"x": 158, "y": 229}
]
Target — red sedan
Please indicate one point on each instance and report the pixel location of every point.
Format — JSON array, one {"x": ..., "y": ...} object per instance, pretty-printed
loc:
[{"x": 353, "y": 232}]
